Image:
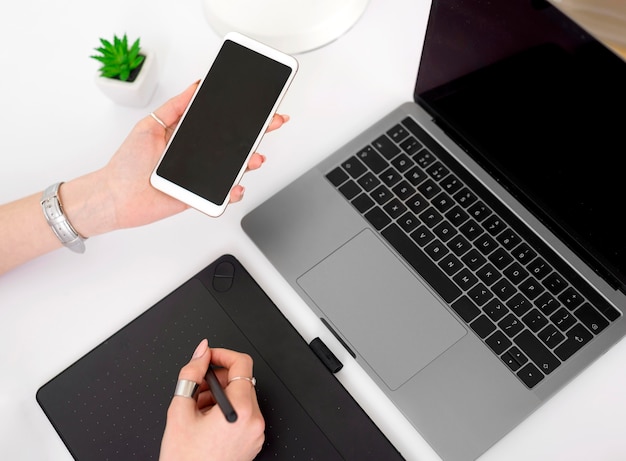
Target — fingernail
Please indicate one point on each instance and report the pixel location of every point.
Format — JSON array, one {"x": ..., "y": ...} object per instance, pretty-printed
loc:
[
  {"x": 263, "y": 157},
  {"x": 201, "y": 349},
  {"x": 285, "y": 117},
  {"x": 243, "y": 189}
]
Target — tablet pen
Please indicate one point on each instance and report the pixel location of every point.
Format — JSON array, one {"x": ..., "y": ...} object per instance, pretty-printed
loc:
[{"x": 220, "y": 396}]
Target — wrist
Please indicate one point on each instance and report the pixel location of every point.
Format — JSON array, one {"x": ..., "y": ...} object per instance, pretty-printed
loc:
[
  {"x": 87, "y": 205},
  {"x": 56, "y": 218}
]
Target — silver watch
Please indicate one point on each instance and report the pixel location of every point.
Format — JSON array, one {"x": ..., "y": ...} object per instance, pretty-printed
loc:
[{"x": 53, "y": 211}]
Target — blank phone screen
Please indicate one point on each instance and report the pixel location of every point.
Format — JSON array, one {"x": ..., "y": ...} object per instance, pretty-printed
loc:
[{"x": 223, "y": 121}]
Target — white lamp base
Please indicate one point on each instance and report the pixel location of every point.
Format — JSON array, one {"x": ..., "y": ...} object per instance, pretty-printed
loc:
[{"x": 291, "y": 26}]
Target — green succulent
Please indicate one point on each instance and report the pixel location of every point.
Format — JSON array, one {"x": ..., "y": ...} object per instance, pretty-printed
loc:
[{"x": 117, "y": 58}]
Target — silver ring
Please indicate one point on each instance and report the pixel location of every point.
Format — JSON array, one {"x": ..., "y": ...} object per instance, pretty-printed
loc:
[
  {"x": 250, "y": 380},
  {"x": 186, "y": 388},
  {"x": 158, "y": 120}
]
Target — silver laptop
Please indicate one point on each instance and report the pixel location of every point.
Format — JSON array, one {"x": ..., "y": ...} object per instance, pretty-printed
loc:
[{"x": 468, "y": 249}]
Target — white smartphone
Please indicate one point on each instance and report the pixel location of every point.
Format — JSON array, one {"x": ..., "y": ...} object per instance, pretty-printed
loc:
[{"x": 223, "y": 125}]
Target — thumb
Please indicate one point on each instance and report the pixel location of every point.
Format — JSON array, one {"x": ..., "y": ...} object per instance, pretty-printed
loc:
[{"x": 171, "y": 111}]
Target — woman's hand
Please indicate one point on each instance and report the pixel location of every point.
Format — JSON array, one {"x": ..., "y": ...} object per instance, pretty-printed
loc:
[
  {"x": 122, "y": 189},
  {"x": 197, "y": 429}
]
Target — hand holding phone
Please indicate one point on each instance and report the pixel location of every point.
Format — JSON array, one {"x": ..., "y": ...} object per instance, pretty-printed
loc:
[{"x": 224, "y": 123}]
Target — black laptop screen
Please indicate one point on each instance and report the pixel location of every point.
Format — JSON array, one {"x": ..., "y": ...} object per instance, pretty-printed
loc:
[{"x": 539, "y": 107}]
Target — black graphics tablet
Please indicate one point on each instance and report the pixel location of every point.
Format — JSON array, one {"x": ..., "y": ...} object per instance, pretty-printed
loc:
[{"x": 111, "y": 404}]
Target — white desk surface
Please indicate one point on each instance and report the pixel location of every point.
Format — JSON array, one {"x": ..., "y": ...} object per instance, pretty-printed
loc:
[{"x": 55, "y": 125}]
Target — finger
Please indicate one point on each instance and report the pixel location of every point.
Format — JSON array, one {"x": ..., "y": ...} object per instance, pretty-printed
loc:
[
  {"x": 206, "y": 400},
  {"x": 278, "y": 120},
  {"x": 172, "y": 110},
  {"x": 255, "y": 162},
  {"x": 194, "y": 371},
  {"x": 238, "y": 365},
  {"x": 236, "y": 193}
]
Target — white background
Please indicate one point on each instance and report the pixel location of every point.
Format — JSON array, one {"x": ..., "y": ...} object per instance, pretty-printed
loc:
[{"x": 56, "y": 125}]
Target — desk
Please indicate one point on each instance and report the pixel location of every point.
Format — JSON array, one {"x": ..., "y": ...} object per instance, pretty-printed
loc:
[{"x": 55, "y": 125}]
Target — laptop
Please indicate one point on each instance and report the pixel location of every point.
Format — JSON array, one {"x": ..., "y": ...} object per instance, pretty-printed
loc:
[
  {"x": 468, "y": 248},
  {"x": 112, "y": 402}
]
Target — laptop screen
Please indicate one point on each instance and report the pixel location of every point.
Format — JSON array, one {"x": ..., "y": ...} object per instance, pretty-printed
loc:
[{"x": 539, "y": 103}]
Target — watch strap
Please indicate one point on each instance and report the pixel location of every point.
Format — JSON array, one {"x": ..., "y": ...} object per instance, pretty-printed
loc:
[{"x": 53, "y": 212}]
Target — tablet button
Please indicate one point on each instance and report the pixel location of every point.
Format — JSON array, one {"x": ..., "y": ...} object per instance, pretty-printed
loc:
[{"x": 223, "y": 276}]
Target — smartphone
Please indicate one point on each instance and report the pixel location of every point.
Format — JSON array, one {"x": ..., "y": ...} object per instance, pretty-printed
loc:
[{"x": 223, "y": 124}]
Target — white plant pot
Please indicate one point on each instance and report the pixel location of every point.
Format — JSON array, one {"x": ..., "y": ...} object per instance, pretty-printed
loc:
[{"x": 136, "y": 93}]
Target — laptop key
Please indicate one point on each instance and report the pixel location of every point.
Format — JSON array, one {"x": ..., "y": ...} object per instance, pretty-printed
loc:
[
  {"x": 408, "y": 221},
  {"x": 368, "y": 181},
  {"x": 515, "y": 354},
  {"x": 473, "y": 259},
  {"x": 381, "y": 194},
  {"x": 394, "y": 208},
  {"x": 337, "y": 176},
  {"x": 390, "y": 176},
  {"x": 466, "y": 309},
  {"x": 397, "y": 133},
  {"x": 536, "y": 351},
  {"x": 494, "y": 225},
  {"x": 547, "y": 303},
  {"x": 535, "y": 320},
  {"x": 429, "y": 188},
  {"x": 372, "y": 159},
  {"x": 402, "y": 163},
  {"x": 424, "y": 158},
  {"x": 591, "y": 318},
  {"x": 498, "y": 342},
  {"x": 350, "y": 189},
  {"x": 354, "y": 167},
  {"x": 450, "y": 264},
  {"x": 511, "y": 325},
  {"x": 530, "y": 375},
  {"x": 411, "y": 145},
  {"x": 495, "y": 309},
  {"x": 459, "y": 245},
  {"x": 539, "y": 268},
  {"x": 457, "y": 216},
  {"x": 508, "y": 239},
  {"x": 451, "y": 184},
  {"x": 415, "y": 175},
  {"x": 479, "y": 211},
  {"x": 363, "y": 203},
  {"x": 554, "y": 283},
  {"x": 483, "y": 326},
  {"x": 377, "y": 218},
  {"x": 403, "y": 190},
  {"x": 437, "y": 171},
  {"x": 577, "y": 337},
  {"x": 422, "y": 235},
  {"x": 436, "y": 249},
  {"x": 510, "y": 361},
  {"x": 386, "y": 147},
  {"x": 435, "y": 277},
  {"x": 570, "y": 298},
  {"x": 550, "y": 336}
]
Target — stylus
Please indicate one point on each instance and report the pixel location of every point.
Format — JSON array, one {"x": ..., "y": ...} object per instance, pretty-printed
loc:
[{"x": 220, "y": 396}]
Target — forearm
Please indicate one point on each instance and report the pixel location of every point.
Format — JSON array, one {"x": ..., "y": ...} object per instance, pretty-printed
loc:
[{"x": 25, "y": 234}]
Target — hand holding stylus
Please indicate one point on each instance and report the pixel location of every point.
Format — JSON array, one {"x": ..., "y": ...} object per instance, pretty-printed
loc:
[{"x": 201, "y": 412}]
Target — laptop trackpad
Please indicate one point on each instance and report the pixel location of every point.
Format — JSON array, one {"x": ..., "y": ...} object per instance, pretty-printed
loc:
[{"x": 384, "y": 312}]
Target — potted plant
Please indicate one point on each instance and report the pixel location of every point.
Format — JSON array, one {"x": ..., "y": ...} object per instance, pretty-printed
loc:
[{"x": 128, "y": 73}]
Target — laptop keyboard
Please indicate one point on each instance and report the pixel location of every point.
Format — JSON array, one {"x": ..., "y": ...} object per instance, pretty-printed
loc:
[{"x": 529, "y": 307}]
